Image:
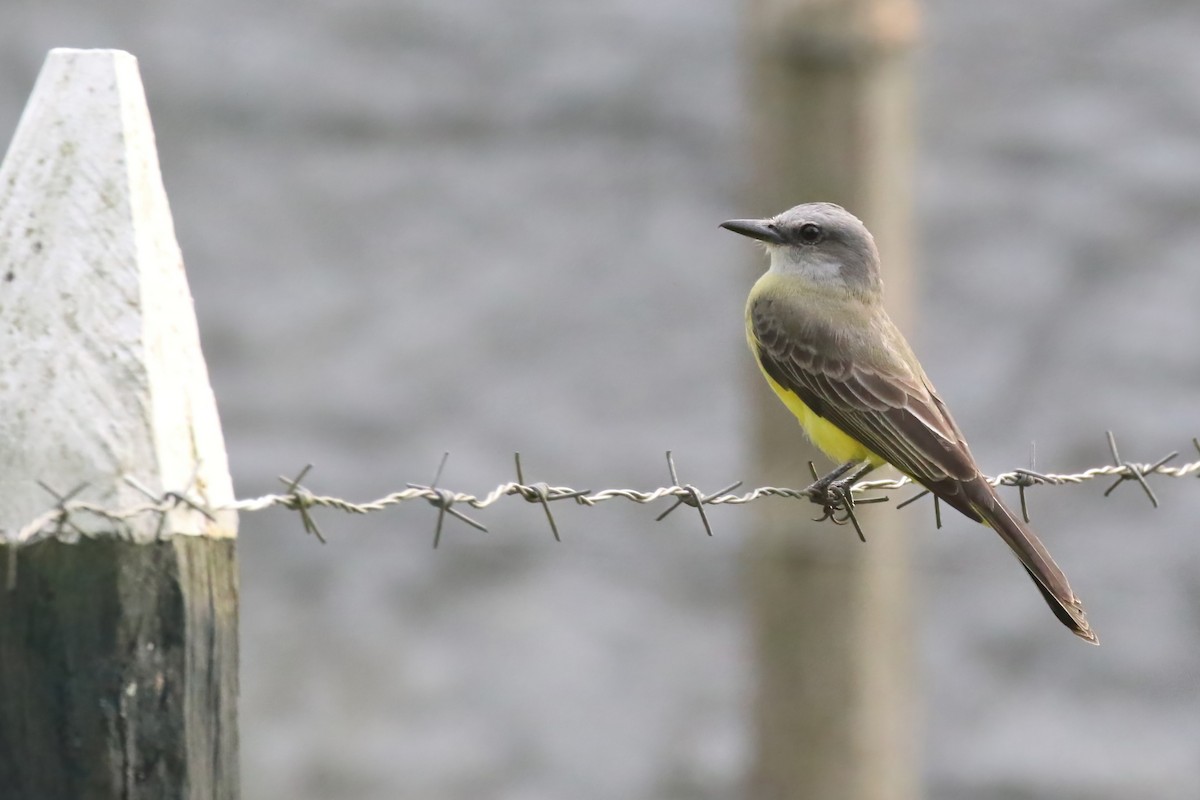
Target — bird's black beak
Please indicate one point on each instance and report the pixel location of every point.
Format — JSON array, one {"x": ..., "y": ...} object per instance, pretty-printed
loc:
[{"x": 761, "y": 229}]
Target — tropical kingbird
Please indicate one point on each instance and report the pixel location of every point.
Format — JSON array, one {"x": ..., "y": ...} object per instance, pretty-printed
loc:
[{"x": 816, "y": 325}]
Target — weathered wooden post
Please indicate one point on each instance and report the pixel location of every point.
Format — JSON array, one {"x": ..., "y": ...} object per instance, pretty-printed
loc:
[
  {"x": 829, "y": 99},
  {"x": 118, "y": 638}
]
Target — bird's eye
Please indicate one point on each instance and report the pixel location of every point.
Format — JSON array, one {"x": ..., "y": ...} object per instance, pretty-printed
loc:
[{"x": 810, "y": 233}]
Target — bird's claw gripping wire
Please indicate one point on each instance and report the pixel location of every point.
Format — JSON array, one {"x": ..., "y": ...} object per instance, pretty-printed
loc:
[{"x": 835, "y": 495}]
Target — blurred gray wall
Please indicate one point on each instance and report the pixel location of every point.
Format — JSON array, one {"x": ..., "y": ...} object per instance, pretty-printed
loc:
[{"x": 423, "y": 226}]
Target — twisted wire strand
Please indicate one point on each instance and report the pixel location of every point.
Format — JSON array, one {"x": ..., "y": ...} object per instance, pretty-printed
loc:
[
  {"x": 533, "y": 493},
  {"x": 300, "y": 499}
]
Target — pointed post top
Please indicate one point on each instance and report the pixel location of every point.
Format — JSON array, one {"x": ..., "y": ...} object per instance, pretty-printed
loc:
[{"x": 102, "y": 378}]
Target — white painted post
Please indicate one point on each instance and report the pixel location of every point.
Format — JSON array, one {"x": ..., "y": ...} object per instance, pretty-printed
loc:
[{"x": 118, "y": 640}]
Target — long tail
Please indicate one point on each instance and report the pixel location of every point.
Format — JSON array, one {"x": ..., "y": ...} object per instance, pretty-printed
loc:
[{"x": 1050, "y": 580}]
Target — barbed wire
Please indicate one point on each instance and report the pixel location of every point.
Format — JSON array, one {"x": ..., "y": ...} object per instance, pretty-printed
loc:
[{"x": 837, "y": 506}]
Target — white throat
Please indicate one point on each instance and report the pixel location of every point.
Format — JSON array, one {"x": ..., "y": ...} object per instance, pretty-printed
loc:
[{"x": 806, "y": 264}]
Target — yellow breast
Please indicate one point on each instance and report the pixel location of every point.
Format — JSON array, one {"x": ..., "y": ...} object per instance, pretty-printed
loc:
[{"x": 830, "y": 439}]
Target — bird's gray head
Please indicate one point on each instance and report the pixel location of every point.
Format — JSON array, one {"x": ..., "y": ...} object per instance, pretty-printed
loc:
[{"x": 819, "y": 242}]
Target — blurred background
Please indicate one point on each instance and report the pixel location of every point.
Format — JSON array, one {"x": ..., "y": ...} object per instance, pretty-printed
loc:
[{"x": 415, "y": 226}]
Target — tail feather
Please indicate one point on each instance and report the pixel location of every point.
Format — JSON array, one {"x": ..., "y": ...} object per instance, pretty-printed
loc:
[{"x": 1050, "y": 580}]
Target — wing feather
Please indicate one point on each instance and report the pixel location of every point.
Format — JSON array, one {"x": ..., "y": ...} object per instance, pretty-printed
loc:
[{"x": 885, "y": 404}]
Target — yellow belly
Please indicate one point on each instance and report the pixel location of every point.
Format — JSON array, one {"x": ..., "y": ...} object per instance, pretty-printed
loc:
[{"x": 829, "y": 438}]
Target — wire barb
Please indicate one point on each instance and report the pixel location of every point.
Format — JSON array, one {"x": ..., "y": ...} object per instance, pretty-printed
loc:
[
  {"x": 62, "y": 515},
  {"x": 1024, "y": 478},
  {"x": 1023, "y": 481},
  {"x": 541, "y": 493},
  {"x": 171, "y": 499},
  {"x": 691, "y": 496},
  {"x": 912, "y": 499},
  {"x": 443, "y": 500},
  {"x": 300, "y": 499},
  {"x": 161, "y": 507},
  {"x": 1131, "y": 471}
]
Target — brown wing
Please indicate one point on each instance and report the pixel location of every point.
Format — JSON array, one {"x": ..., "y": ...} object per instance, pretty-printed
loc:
[{"x": 883, "y": 402}]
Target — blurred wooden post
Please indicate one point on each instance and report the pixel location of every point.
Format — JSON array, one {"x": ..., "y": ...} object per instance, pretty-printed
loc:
[
  {"x": 829, "y": 95},
  {"x": 118, "y": 640}
]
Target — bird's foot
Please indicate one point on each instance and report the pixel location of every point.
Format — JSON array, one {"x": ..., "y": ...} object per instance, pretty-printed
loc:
[
  {"x": 834, "y": 494},
  {"x": 835, "y": 499},
  {"x": 831, "y": 491}
]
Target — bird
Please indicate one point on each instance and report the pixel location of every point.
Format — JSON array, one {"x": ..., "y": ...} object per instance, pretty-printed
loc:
[{"x": 816, "y": 325}]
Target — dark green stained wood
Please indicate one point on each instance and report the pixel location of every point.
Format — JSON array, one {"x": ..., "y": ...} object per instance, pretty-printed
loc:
[{"x": 118, "y": 670}]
